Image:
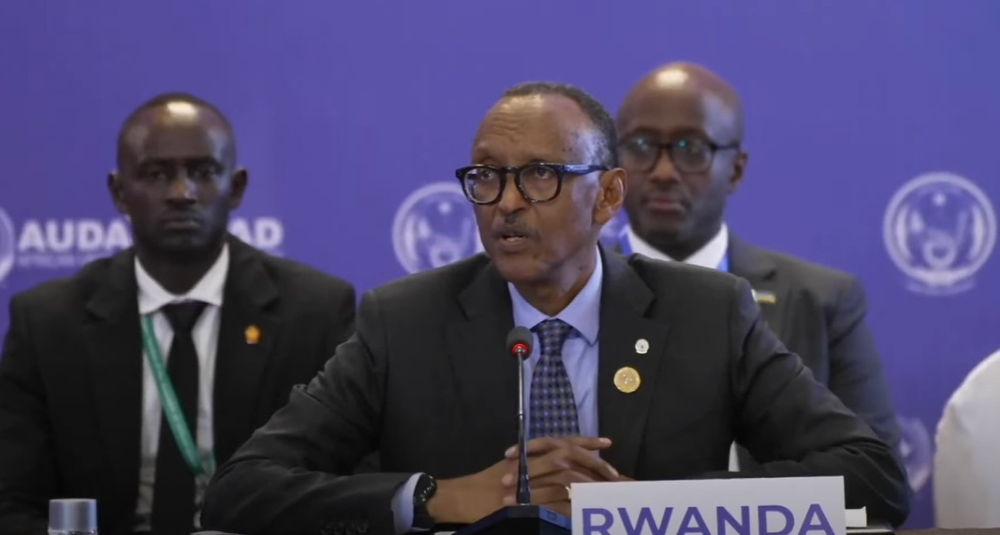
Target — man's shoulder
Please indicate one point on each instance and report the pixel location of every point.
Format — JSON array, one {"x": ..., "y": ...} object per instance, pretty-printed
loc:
[
  {"x": 683, "y": 285},
  {"x": 810, "y": 276},
  {"x": 433, "y": 286},
  {"x": 294, "y": 276},
  {"x": 67, "y": 293}
]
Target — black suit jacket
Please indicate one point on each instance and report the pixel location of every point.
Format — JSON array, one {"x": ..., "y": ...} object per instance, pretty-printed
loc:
[
  {"x": 819, "y": 314},
  {"x": 71, "y": 376},
  {"x": 426, "y": 380}
]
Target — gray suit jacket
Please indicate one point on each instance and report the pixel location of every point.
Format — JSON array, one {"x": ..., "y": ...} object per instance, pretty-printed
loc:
[{"x": 427, "y": 382}]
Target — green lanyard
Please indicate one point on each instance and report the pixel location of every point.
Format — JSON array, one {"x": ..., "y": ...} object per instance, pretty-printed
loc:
[{"x": 171, "y": 408}]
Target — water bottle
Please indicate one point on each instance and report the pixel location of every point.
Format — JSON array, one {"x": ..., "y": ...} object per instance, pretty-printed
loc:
[{"x": 73, "y": 517}]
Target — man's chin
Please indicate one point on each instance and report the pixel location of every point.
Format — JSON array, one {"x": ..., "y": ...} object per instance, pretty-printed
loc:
[{"x": 517, "y": 270}]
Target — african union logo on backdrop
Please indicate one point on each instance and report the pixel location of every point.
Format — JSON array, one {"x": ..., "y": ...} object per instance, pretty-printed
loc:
[
  {"x": 939, "y": 229},
  {"x": 433, "y": 227},
  {"x": 67, "y": 244}
]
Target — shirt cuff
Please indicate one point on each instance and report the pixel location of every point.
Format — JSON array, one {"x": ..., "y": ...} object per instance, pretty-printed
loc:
[{"x": 402, "y": 505}]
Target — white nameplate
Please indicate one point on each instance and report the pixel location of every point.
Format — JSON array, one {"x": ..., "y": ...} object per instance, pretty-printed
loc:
[{"x": 772, "y": 506}]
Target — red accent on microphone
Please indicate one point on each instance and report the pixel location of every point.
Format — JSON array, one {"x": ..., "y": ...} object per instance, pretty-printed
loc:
[{"x": 520, "y": 346}]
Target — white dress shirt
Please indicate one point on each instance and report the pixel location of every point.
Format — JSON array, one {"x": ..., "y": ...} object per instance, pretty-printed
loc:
[
  {"x": 711, "y": 255},
  {"x": 152, "y": 298},
  {"x": 967, "y": 465}
]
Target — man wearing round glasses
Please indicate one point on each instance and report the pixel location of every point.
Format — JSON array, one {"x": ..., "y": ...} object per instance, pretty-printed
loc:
[
  {"x": 681, "y": 128},
  {"x": 628, "y": 361}
]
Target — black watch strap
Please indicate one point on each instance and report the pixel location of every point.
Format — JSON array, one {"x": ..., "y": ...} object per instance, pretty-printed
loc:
[{"x": 422, "y": 493}]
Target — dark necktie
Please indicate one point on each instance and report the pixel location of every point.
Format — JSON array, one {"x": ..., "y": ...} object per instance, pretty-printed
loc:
[
  {"x": 174, "y": 484},
  {"x": 553, "y": 407}
]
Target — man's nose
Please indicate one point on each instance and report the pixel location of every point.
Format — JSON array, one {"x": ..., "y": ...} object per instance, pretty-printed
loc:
[
  {"x": 182, "y": 188},
  {"x": 511, "y": 199}
]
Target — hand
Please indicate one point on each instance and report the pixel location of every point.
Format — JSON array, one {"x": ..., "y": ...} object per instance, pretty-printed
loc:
[
  {"x": 464, "y": 500},
  {"x": 556, "y": 463}
]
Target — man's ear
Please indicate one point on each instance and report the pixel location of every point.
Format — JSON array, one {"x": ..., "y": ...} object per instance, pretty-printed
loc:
[
  {"x": 739, "y": 165},
  {"x": 237, "y": 187},
  {"x": 116, "y": 191},
  {"x": 611, "y": 195}
]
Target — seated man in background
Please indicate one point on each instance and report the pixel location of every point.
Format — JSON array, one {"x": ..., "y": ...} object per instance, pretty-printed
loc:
[
  {"x": 681, "y": 131},
  {"x": 659, "y": 366},
  {"x": 190, "y": 318},
  {"x": 966, "y": 462}
]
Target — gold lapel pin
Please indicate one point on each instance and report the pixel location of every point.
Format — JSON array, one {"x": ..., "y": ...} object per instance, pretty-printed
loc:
[
  {"x": 641, "y": 346},
  {"x": 252, "y": 334},
  {"x": 627, "y": 380},
  {"x": 764, "y": 297}
]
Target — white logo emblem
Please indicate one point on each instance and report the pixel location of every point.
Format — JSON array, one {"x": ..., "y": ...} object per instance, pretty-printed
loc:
[
  {"x": 7, "y": 245},
  {"x": 939, "y": 229},
  {"x": 917, "y": 451},
  {"x": 434, "y": 227}
]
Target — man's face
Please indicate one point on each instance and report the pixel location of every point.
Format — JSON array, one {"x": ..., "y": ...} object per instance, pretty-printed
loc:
[
  {"x": 678, "y": 194},
  {"x": 176, "y": 183},
  {"x": 531, "y": 241}
]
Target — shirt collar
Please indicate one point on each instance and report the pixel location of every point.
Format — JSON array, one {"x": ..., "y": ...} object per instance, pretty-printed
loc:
[
  {"x": 710, "y": 255},
  {"x": 152, "y": 296},
  {"x": 583, "y": 313}
]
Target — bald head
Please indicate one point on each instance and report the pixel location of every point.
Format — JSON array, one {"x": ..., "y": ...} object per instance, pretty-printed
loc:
[
  {"x": 688, "y": 85},
  {"x": 173, "y": 109},
  {"x": 681, "y": 129}
]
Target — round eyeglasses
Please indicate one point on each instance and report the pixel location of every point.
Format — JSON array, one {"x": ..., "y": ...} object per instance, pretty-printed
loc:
[{"x": 687, "y": 155}]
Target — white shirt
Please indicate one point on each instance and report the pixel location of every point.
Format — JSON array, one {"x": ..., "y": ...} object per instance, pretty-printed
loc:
[
  {"x": 152, "y": 297},
  {"x": 966, "y": 464},
  {"x": 709, "y": 256}
]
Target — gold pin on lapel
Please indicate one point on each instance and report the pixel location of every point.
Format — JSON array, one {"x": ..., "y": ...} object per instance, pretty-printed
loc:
[
  {"x": 764, "y": 297},
  {"x": 641, "y": 346},
  {"x": 252, "y": 334},
  {"x": 627, "y": 380}
]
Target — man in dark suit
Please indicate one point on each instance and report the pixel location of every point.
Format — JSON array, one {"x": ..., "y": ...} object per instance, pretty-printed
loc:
[
  {"x": 681, "y": 130},
  {"x": 189, "y": 318},
  {"x": 658, "y": 366}
]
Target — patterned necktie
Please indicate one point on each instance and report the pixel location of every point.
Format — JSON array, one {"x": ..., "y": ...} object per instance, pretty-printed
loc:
[{"x": 553, "y": 408}]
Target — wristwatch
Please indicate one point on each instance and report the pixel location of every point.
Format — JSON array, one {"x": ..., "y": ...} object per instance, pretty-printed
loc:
[{"x": 424, "y": 491}]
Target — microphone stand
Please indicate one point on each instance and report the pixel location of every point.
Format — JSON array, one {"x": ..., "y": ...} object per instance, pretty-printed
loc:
[{"x": 523, "y": 488}]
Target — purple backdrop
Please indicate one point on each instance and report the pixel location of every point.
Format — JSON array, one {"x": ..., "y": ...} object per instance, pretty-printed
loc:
[{"x": 352, "y": 115}]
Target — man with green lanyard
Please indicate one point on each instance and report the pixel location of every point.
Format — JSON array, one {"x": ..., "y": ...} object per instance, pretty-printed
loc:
[
  {"x": 681, "y": 129},
  {"x": 130, "y": 380}
]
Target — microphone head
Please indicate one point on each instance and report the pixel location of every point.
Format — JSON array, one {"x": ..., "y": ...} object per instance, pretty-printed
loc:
[{"x": 519, "y": 342}]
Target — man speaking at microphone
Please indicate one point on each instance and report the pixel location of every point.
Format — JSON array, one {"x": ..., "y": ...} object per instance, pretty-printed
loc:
[{"x": 657, "y": 366}]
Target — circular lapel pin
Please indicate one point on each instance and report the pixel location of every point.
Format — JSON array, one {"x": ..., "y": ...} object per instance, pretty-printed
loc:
[
  {"x": 641, "y": 346},
  {"x": 627, "y": 380}
]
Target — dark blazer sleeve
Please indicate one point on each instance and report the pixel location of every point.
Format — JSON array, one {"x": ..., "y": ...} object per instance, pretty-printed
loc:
[
  {"x": 856, "y": 375},
  {"x": 27, "y": 465},
  {"x": 796, "y": 427},
  {"x": 342, "y": 321},
  {"x": 292, "y": 475}
]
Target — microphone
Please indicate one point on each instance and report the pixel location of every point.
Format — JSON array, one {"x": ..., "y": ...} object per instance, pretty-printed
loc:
[{"x": 519, "y": 344}]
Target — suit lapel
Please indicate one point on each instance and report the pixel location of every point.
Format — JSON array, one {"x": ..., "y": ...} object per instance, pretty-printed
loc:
[
  {"x": 622, "y": 416},
  {"x": 114, "y": 349},
  {"x": 760, "y": 271},
  {"x": 241, "y": 358},
  {"x": 485, "y": 374}
]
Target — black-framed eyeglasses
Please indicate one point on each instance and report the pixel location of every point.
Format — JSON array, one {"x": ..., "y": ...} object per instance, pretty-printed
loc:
[
  {"x": 537, "y": 182},
  {"x": 692, "y": 155}
]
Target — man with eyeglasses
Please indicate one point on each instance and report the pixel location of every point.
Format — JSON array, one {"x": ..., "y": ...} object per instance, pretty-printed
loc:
[
  {"x": 681, "y": 130},
  {"x": 628, "y": 362}
]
